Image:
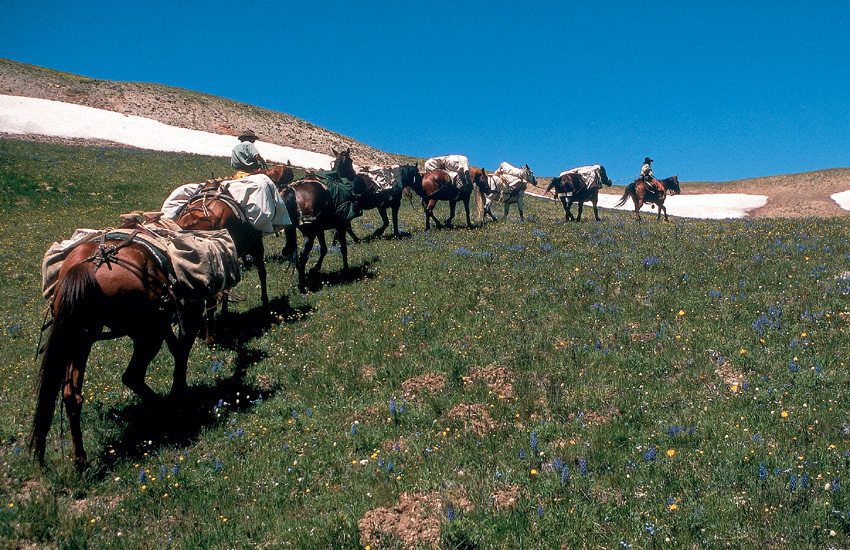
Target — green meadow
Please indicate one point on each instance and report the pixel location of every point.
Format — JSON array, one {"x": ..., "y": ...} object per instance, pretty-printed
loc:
[{"x": 538, "y": 384}]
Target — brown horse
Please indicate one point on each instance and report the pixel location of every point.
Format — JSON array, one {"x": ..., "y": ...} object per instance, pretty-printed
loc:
[
  {"x": 124, "y": 288},
  {"x": 213, "y": 208},
  {"x": 437, "y": 185},
  {"x": 571, "y": 187},
  {"x": 315, "y": 206},
  {"x": 404, "y": 176},
  {"x": 490, "y": 188},
  {"x": 641, "y": 193}
]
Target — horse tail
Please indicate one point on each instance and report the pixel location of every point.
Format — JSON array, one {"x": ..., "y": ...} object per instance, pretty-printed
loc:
[
  {"x": 630, "y": 191},
  {"x": 290, "y": 249},
  {"x": 74, "y": 306},
  {"x": 480, "y": 201}
]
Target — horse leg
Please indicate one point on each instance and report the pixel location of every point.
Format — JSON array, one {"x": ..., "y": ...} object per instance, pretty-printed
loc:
[
  {"x": 260, "y": 260},
  {"x": 658, "y": 218},
  {"x": 466, "y": 209},
  {"x": 580, "y": 210},
  {"x": 395, "y": 208},
  {"x": 665, "y": 211},
  {"x": 520, "y": 205},
  {"x": 145, "y": 347},
  {"x": 385, "y": 222},
  {"x": 323, "y": 251},
  {"x": 452, "y": 206},
  {"x": 350, "y": 231},
  {"x": 72, "y": 396},
  {"x": 181, "y": 345},
  {"x": 638, "y": 204},
  {"x": 302, "y": 263},
  {"x": 343, "y": 248}
]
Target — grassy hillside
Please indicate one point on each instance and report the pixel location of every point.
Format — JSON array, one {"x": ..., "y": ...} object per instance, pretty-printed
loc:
[{"x": 530, "y": 384}]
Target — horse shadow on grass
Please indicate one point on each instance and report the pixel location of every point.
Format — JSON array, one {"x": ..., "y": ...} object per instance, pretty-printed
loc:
[
  {"x": 140, "y": 428},
  {"x": 319, "y": 280}
]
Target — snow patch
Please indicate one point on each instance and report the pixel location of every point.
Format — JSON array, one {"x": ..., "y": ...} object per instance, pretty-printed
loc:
[
  {"x": 842, "y": 199},
  {"x": 27, "y": 115}
]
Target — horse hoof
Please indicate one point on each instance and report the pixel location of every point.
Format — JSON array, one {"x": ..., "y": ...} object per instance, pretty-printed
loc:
[{"x": 81, "y": 463}]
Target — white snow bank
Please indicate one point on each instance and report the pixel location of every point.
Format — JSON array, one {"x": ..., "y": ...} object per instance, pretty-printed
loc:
[
  {"x": 714, "y": 206},
  {"x": 27, "y": 115},
  {"x": 842, "y": 199}
]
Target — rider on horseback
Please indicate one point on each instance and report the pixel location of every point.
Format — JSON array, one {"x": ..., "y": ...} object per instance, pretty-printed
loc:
[
  {"x": 646, "y": 173},
  {"x": 245, "y": 158}
]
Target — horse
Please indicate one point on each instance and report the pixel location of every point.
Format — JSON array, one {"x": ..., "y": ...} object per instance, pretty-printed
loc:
[
  {"x": 210, "y": 210},
  {"x": 437, "y": 185},
  {"x": 570, "y": 187},
  {"x": 315, "y": 208},
  {"x": 123, "y": 287},
  {"x": 404, "y": 176},
  {"x": 640, "y": 193},
  {"x": 491, "y": 188}
]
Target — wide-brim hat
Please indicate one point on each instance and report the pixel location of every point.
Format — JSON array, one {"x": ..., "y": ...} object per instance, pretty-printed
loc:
[
  {"x": 647, "y": 160},
  {"x": 248, "y": 134}
]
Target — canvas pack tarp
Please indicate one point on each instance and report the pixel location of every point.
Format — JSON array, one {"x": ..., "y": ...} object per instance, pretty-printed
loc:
[
  {"x": 509, "y": 177},
  {"x": 385, "y": 177},
  {"x": 257, "y": 195},
  {"x": 342, "y": 195},
  {"x": 202, "y": 263},
  {"x": 594, "y": 176},
  {"x": 456, "y": 165}
]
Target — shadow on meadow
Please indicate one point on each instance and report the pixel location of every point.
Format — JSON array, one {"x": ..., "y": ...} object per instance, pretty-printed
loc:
[
  {"x": 139, "y": 428},
  {"x": 317, "y": 281}
]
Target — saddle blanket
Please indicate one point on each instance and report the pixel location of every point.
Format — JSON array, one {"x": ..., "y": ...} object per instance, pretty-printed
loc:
[
  {"x": 257, "y": 195},
  {"x": 201, "y": 263},
  {"x": 456, "y": 166},
  {"x": 593, "y": 176},
  {"x": 342, "y": 195},
  {"x": 383, "y": 176},
  {"x": 509, "y": 177}
]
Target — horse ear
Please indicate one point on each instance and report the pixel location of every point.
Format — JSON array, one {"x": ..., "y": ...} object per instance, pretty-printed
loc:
[{"x": 334, "y": 152}]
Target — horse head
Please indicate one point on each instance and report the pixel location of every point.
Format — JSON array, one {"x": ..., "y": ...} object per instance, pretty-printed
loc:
[
  {"x": 528, "y": 175},
  {"x": 343, "y": 165},
  {"x": 557, "y": 184},
  {"x": 479, "y": 179},
  {"x": 281, "y": 175},
  {"x": 672, "y": 185}
]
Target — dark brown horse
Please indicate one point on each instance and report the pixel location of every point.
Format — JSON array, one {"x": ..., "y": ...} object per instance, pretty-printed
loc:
[
  {"x": 121, "y": 286},
  {"x": 213, "y": 208},
  {"x": 315, "y": 206},
  {"x": 641, "y": 193},
  {"x": 437, "y": 185},
  {"x": 404, "y": 176},
  {"x": 571, "y": 187}
]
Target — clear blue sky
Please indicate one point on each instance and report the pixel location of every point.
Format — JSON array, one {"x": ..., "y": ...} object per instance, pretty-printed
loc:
[{"x": 711, "y": 90}]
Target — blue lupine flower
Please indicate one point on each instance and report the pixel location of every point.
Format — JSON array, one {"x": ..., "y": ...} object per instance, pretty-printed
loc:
[
  {"x": 762, "y": 471},
  {"x": 380, "y": 462},
  {"x": 309, "y": 413},
  {"x": 540, "y": 510},
  {"x": 714, "y": 294},
  {"x": 582, "y": 465},
  {"x": 650, "y": 454},
  {"x": 218, "y": 465},
  {"x": 354, "y": 429},
  {"x": 651, "y": 261},
  {"x": 792, "y": 483},
  {"x": 216, "y": 365},
  {"x": 557, "y": 464},
  {"x": 14, "y": 329},
  {"x": 756, "y": 437},
  {"x": 793, "y": 366},
  {"x": 175, "y": 471},
  {"x": 565, "y": 474},
  {"x": 650, "y": 528},
  {"x": 392, "y": 405},
  {"x": 834, "y": 486},
  {"x": 521, "y": 454},
  {"x": 804, "y": 481},
  {"x": 534, "y": 442},
  {"x": 450, "y": 512},
  {"x": 390, "y": 466},
  {"x": 142, "y": 476}
]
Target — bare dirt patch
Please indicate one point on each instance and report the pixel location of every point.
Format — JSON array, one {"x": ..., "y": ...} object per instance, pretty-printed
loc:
[
  {"x": 414, "y": 521},
  {"x": 507, "y": 498},
  {"x": 498, "y": 380},
  {"x": 426, "y": 383},
  {"x": 474, "y": 417}
]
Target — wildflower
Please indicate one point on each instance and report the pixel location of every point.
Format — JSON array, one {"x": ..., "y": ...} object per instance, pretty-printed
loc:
[
  {"x": 142, "y": 476},
  {"x": 671, "y": 453},
  {"x": 784, "y": 414},
  {"x": 762, "y": 471},
  {"x": 649, "y": 455},
  {"x": 392, "y": 405},
  {"x": 450, "y": 512},
  {"x": 557, "y": 464},
  {"x": 565, "y": 474},
  {"x": 792, "y": 483},
  {"x": 650, "y": 261},
  {"x": 805, "y": 481},
  {"x": 14, "y": 329},
  {"x": 582, "y": 465},
  {"x": 521, "y": 454},
  {"x": 533, "y": 472},
  {"x": 540, "y": 510},
  {"x": 681, "y": 313},
  {"x": 650, "y": 528},
  {"x": 354, "y": 429},
  {"x": 534, "y": 442}
]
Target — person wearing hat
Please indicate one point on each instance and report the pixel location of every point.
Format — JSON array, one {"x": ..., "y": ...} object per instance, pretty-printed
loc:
[
  {"x": 646, "y": 173},
  {"x": 245, "y": 158}
]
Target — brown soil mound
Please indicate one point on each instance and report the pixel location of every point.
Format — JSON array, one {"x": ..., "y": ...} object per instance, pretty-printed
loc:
[
  {"x": 416, "y": 386},
  {"x": 507, "y": 498},
  {"x": 474, "y": 416},
  {"x": 415, "y": 521},
  {"x": 499, "y": 380}
]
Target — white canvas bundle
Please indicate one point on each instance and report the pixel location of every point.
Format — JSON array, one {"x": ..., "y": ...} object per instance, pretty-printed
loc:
[
  {"x": 453, "y": 164},
  {"x": 591, "y": 175},
  {"x": 257, "y": 195},
  {"x": 381, "y": 175},
  {"x": 510, "y": 176}
]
